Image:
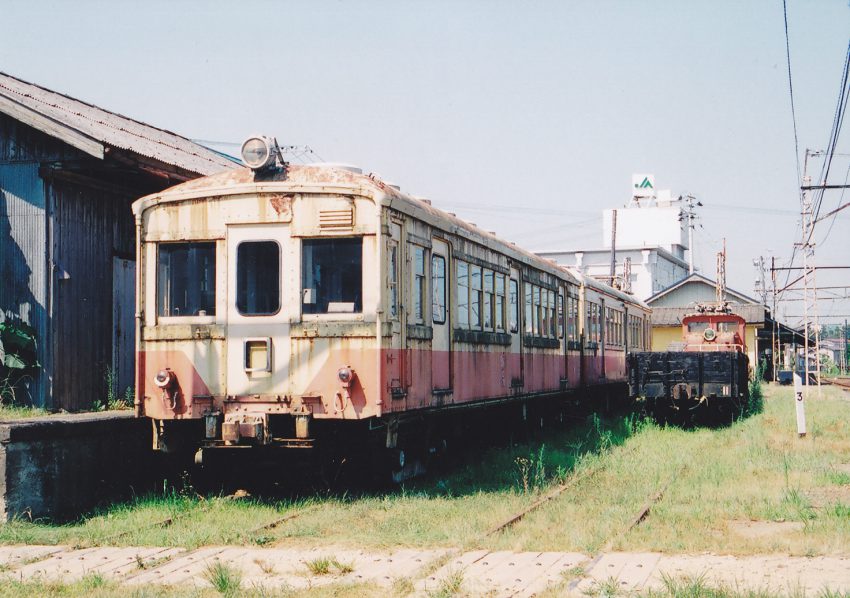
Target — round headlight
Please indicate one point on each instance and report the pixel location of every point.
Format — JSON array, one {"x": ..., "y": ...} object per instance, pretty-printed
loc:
[
  {"x": 709, "y": 334},
  {"x": 163, "y": 378},
  {"x": 345, "y": 374},
  {"x": 259, "y": 152}
]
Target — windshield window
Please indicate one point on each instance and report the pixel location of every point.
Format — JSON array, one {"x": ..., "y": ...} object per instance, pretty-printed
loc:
[
  {"x": 186, "y": 279},
  {"x": 332, "y": 276}
]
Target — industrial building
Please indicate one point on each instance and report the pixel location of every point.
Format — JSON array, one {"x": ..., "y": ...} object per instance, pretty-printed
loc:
[{"x": 68, "y": 173}]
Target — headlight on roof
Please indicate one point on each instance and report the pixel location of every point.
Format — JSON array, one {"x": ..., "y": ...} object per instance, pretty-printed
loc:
[{"x": 260, "y": 152}]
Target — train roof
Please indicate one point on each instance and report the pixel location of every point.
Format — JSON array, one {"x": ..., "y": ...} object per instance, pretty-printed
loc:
[
  {"x": 601, "y": 287},
  {"x": 334, "y": 178}
]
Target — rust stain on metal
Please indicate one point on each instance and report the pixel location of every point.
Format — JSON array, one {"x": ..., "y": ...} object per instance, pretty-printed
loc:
[{"x": 282, "y": 204}]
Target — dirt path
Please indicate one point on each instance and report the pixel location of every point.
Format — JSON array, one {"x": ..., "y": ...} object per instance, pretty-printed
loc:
[{"x": 475, "y": 572}]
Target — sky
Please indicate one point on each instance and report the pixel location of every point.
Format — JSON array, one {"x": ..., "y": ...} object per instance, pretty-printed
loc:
[{"x": 527, "y": 118}]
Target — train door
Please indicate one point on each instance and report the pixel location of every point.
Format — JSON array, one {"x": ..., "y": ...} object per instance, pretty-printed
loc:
[
  {"x": 515, "y": 311},
  {"x": 603, "y": 336},
  {"x": 258, "y": 349},
  {"x": 395, "y": 365},
  {"x": 562, "y": 334},
  {"x": 441, "y": 343}
]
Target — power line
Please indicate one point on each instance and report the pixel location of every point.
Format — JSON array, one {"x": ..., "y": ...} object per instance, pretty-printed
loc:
[
  {"x": 791, "y": 88},
  {"x": 835, "y": 132}
]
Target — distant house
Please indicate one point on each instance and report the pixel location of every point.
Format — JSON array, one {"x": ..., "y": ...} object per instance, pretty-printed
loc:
[
  {"x": 68, "y": 173},
  {"x": 670, "y": 305}
]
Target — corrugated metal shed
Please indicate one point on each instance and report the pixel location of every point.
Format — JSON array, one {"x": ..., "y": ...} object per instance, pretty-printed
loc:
[
  {"x": 68, "y": 174},
  {"x": 23, "y": 269},
  {"x": 94, "y": 130}
]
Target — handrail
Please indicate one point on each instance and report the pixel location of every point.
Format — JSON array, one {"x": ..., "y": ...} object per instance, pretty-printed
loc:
[{"x": 715, "y": 348}]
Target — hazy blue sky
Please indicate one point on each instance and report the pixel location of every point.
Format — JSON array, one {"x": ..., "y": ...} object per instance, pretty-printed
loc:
[{"x": 527, "y": 118}]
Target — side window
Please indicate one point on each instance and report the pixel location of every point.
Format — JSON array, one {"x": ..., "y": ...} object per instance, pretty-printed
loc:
[
  {"x": 514, "y": 299},
  {"x": 475, "y": 315},
  {"x": 392, "y": 280},
  {"x": 462, "y": 294},
  {"x": 419, "y": 284},
  {"x": 500, "y": 302},
  {"x": 529, "y": 308},
  {"x": 539, "y": 312},
  {"x": 553, "y": 322},
  {"x": 561, "y": 316},
  {"x": 489, "y": 302},
  {"x": 258, "y": 278},
  {"x": 438, "y": 286},
  {"x": 186, "y": 279},
  {"x": 572, "y": 318},
  {"x": 332, "y": 276}
]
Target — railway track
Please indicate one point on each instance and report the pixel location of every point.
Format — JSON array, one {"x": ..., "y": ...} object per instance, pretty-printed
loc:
[{"x": 842, "y": 382}]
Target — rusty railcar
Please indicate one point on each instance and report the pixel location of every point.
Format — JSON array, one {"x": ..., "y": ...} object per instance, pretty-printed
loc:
[
  {"x": 292, "y": 306},
  {"x": 706, "y": 378}
]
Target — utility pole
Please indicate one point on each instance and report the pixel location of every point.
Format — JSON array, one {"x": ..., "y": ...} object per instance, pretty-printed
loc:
[
  {"x": 613, "y": 248},
  {"x": 761, "y": 282},
  {"x": 691, "y": 203},
  {"x": 810, "y": 296},
  {"x": 720, "y": 285},
  {"x": 775, "y": 347}
]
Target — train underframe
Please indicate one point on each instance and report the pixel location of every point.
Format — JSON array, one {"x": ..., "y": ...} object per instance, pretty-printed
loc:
[
  {"x": 394, "y": 447},
  {"x": 690, "y": 388}
]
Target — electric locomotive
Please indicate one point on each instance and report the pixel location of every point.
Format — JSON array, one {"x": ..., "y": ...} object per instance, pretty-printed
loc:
[{"x": 705, "y": 378}]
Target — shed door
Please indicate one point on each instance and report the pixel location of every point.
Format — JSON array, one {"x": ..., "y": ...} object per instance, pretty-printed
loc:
[
  {"x": 123, "y": 325},
  {"x": 440, "y": 316},
  {"x": 258, "y": 348}
]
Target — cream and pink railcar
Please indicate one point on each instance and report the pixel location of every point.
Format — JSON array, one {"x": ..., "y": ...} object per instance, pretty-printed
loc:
[{"x": 289, "y": 305}]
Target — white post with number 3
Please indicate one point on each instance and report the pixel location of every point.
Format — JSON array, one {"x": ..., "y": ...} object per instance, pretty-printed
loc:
[{"x": 801, "y": 406}]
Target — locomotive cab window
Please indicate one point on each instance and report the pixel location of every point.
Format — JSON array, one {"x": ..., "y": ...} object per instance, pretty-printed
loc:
[
  {"x": 186, "y": 279},
  {"x": 697, "y": 326},
  {"x": 258, "y": 278},
  {"x": 727, "y": 326},
  {"x": 332, "y": 276}
]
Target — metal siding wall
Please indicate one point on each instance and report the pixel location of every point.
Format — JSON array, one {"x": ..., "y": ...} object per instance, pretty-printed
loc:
[
  {"x": 22, "y": 143},
  {"x": 23, "y": 257},
  {"x": 90, "y": 226}
]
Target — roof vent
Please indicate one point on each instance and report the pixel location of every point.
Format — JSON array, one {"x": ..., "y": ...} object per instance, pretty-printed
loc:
[
  {"x": 339, "y": 166},
  {"x": 393, "y": 185}
]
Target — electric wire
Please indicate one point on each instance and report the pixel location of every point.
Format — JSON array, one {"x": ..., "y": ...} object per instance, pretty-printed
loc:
[
  {"x": 791, "y": 88},
  {"x": 836, "y": 210}
]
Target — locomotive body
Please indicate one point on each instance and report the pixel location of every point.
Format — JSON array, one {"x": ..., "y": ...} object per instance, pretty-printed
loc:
[
  {"x": 305, "y": 304},
  {"x": 708, "y": 376}
]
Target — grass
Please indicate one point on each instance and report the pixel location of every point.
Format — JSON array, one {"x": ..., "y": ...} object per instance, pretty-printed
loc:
[
  {"x": 111, "y": 589},
  {"x": 327, "y": 564},
  {"x": 755, "y": 469},
  {"x": 224, "y": 579},
  {"x": 13, "y": 412}
]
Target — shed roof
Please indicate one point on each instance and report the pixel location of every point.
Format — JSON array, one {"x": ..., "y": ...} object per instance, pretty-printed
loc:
[
  {"x": 94, "y": 130},
  {"x": 672, "y": 316},
  {"x": 699, "y": 279}
]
